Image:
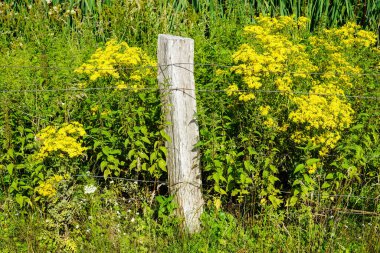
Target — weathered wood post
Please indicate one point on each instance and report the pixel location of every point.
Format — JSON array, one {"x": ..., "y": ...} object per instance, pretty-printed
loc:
[{"x": 176, "y": 79}]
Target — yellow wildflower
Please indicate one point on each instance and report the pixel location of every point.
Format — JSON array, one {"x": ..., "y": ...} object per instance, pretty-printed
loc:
[
  {"x": 48, "y": 188},
  {"x": 113, "y": 61},
  {"x": 64, "y": 139},
  {"x": 246, "y": 97},
  {"x": 264, "y": 110},
  {"x": 232, "y": 89}
]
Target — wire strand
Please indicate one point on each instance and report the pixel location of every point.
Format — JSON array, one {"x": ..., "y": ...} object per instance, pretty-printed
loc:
[
  {"x": 179, "y": 64},
  {"x": 187, "y": 89}
]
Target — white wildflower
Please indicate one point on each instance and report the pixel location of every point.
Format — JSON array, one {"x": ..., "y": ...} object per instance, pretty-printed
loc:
[{"x": 89, "y": 189}]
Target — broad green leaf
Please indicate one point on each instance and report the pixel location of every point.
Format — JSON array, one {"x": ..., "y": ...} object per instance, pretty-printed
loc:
[
  {"x": 103, "y": 165},
  {"x": 235, "y": 192},
  {"x": 10, "y": 168},
  {"x": 312, "y": 161},
  {"x": 164, "y": 150},
  {"x": 153, "y": 156},
  {"x": 143, "y": 155},
  {"x": 162, "y": 164},
  {"x": 293, "y": 200},
  {"x": 133, "y": 164},
  {"x": 131, "y": 153},
  {"x": 20, "y": 200},
  {"x": 299, "y": 168},
  {"x": 107, "y": 172},
  {"x": 146, "y": 140},
  {"x": 325, "y": 185},
  {"x": 165, "y": 136}
]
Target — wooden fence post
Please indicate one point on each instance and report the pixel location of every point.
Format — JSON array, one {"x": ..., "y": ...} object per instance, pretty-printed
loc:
[{"x": 176, "y": 79}]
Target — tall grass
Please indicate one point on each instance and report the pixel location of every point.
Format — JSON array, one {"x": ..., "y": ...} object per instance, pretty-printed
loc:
[{"x": 321, "y": 12}]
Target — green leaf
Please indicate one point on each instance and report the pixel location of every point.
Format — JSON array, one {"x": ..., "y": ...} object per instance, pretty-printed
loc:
[
  {"x": 139, "y": 144},
  {"x": 143, "y": 155},
  {"x": 20, "y": 200},
  {"x": 164, "y": 150},
  {"x": 133, "y": 164},
  {"x": 97, "y": 143},
  {"x": 251, "y": 151},
  {"x": 131, "y": 153},
  {"x": 308, "y": 179},
  {"x": 235, "y": 192},
  {"x": 296, "y": 182},
  {"x": 273, "y": 168},
  {"x": 153, "y": 157},
  {"x": 219, "y": 190},
  {"x": 330, "y": 176},
  {"x": 272, "y": 179},
  {"x": 165, "y": 136},
  {"x": 248, "y": 180},
  {"x": 106, "y": 150},
  {"x": 248, "y": 165},
  {"x": 218, "y": 163},
  {"x": 146, "y": 140},
  {"x": 112, "y": 159},
  {"x": 10, "y": 168},
  {"x": 275, "y": 201},
  {"x": 359, "y": 126},
  {"x": 144, "y": 130},
  {"x": 99, "y": 156},
  {"x": 299, "y": 168},
  {"x": 162, "y": 164},
  {"x": 293, "y": 200},
  {"x": 242, "y": 192},
  {"x": 14, "y": 186},
  {"x": 312, "y": 161},
  {"x": 325, "y": 185},
  {"x": 107, "y": 172},
  {"x": 114, "y": 151},
  {"x": 103, "y": 165},
  {"x": 152, "y": 169}
]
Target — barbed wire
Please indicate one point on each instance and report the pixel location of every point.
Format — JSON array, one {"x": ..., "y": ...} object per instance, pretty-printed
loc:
[
  {"x": 180, "y": 64},
  {"x": 315, "y": 193},
  {"x": 201, "y": 90},
  {"x": 124, "y": 179}
]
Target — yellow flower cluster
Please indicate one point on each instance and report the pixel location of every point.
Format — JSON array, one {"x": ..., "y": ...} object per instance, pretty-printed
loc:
[
  {"x": 264, "y": 110},
  {"x": 351, "y": 35},
  {"x": 48, "y": 188},
  {"x": 277, "y": 57},
  {"x": 273, "y": 54},
  {"x": 322, "y": 109},
  {"x": 323, "y": 114},
  {"x": 271, "y": 123},
  {"x": 312, "y": 168},
  {"x": 63, "y": 140},
  {"x": 118, "y": 61}
]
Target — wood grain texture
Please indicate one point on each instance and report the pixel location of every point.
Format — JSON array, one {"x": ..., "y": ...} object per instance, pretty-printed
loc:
[{"x": 176, "y": 80}]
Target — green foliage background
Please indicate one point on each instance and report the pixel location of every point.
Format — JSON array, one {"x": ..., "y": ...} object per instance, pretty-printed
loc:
[{"x": 249, "y": 171}]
